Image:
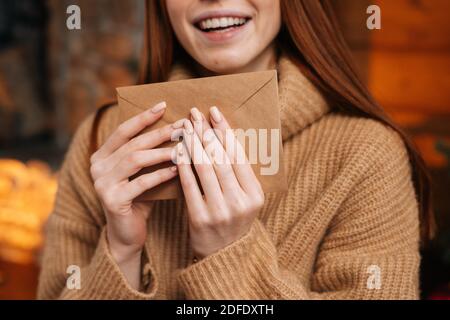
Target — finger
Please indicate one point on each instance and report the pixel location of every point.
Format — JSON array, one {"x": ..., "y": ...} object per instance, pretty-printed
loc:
[
  {"x": 145, "y": 141},
  {"x": 147, "y": 181},
  {"x": 191, "y": 190},
  {"x": 202, "y": 163},
  {"x": 138, "y": 160},
  {"x": 216, "y": 152},
  {"x": 129, "y": 129},
  {"x": 242, "y": 168}
]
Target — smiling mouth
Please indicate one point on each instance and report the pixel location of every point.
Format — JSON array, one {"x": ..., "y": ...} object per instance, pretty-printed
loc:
[{"x": 222, "y": 24}]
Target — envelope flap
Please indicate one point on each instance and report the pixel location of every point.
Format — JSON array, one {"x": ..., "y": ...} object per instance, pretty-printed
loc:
[{"x": 229, "y": 92}]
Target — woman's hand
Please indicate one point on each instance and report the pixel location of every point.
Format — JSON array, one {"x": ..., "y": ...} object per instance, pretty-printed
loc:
[
  {"x": 232, "y": 194},
  {"x": 122, "y": 156}
]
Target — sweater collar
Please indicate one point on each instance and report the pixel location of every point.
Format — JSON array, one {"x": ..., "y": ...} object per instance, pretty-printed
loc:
[{"x": 300, "y": 102}]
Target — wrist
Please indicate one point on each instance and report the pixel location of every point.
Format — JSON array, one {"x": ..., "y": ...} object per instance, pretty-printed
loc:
[
  {"x": 130, "y": 263},
  {"x": 123, "y": 254},
  {"x": 128, "y": 258}
]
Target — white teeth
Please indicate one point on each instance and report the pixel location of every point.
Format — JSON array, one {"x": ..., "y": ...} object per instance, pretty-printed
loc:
[{"x": 223, "y": 22}]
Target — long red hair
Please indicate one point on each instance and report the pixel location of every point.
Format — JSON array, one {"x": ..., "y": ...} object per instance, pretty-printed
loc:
[{"x": 311, "y": 37}]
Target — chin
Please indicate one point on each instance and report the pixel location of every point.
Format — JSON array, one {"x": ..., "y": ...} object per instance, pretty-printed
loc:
[{"x": 225, "y": 63}]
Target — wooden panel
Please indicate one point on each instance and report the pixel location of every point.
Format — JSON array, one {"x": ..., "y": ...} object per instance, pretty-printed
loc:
[
  {"x": 18, "y": 282},
  {"x": 411, "y": 80},
  {"x": 414, "y": 24}
]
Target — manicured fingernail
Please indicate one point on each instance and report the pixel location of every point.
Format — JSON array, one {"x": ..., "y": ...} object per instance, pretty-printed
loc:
[
  {"x": 174, "y": 169},
  {"x": 196, "y": 114},
  {"x": 178, "y": 124},
  {"x": 159, "y": 107},
  {"x": 216, "y": 115},
  {"x": 188, "y": 127}
]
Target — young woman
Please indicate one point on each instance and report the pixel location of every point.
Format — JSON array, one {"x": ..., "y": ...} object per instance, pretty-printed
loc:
[{"x": 349, "y": 226}]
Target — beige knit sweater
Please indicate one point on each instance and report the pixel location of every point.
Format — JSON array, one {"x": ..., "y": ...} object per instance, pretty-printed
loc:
[{"x": 347, "y": 228}]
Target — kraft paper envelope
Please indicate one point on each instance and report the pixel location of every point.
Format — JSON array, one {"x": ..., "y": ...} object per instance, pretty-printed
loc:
[{"x": 249, "y": 101}]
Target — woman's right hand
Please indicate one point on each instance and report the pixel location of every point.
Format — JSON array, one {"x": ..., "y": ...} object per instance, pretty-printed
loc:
[{"x": 122, "y": 156}]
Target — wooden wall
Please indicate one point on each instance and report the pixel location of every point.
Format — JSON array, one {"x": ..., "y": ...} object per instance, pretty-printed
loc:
[{"x": 409, "y": 69}]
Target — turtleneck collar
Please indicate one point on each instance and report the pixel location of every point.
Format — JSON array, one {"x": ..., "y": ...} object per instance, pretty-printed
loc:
[{"x": 300, "y": 102}]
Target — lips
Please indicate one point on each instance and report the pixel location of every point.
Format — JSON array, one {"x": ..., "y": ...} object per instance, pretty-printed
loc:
[
  {"x": 219, "y": 27},
  {"x": 221, "y": 24},
  {"x": 219, "y": 21}
]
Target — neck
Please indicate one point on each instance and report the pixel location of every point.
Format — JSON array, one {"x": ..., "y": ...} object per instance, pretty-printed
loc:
[{"x": 266, "y": 60}]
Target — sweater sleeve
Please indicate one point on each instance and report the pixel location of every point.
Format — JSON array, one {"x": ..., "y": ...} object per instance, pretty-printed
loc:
[
  {"x": 369, "y": 251},
  {"x": 76, "y": 262}
]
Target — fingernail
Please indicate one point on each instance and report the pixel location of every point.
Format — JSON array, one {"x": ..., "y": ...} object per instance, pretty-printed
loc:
[
  {"x": 159, "y": 107},
  {"x": 178, "y": 124},
  {"x": 196, "y": 114},
  {"x": 174, "y": 169},
  {"x": 216, "y": 115},
  {"x": 188, "y": 127}
]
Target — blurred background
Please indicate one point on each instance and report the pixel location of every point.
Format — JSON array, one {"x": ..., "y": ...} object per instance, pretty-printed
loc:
[{"x": 51, "y": 78}]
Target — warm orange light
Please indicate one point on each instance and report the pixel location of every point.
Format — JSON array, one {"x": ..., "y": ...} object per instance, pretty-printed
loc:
[{"x": 27, "y": 193}]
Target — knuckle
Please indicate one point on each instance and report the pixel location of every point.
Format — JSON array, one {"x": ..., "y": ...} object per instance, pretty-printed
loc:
[
  {"x": 159, "y": 175},
  {"x": 187, "y": 184},
  {"x": 143, "y": 119},
  {"x": 203, "y": 168},
  {"x": 109, "y": 199},
  {"x": 148, "y": 118},
  {"x": 210, "y": 223},
  {"x": 133, "y": 159},
  {"x": 96, "y": 169},
  {"x": 100, "y": 186},
  {"x": 143, "y": 182},
  {"x": 259, "y": 200},
  {"x": 160, "y": 134},
  {"x": 93, "y": 158},
  {"x": 121, "y": 131},
  {"x": 135, "y": 143},
  {"x": 199, "y": 224},
  {"x": 163, "y": 174},
  {"x": 222, "y": 220},
  {"x": 229, "y": 174},
  {"x": 240, "y": 206}
]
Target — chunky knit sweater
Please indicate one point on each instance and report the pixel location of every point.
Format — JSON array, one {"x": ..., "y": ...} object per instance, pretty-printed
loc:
[{"x": 347, "y": 228}]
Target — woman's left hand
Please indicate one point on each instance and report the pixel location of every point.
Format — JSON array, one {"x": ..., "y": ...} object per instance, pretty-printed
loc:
[{"x": 232, "y": 194}]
